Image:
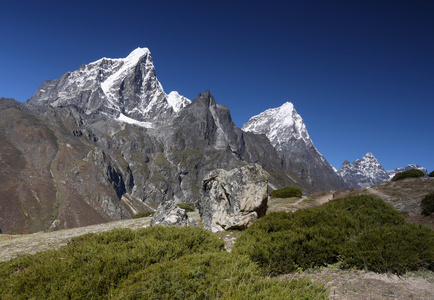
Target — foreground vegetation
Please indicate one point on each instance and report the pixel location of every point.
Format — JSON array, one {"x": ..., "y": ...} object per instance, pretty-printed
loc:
[
  {"x": 428, "y": 204},
  {"x": 157, "y": 262},
  {"x": 359, "y": 231}
]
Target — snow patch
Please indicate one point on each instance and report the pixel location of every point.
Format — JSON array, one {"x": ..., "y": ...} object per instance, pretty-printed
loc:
[
  {"x": 176, "y": 101},
  {"x": 125, "y": 119},
  {"x": 129, "y": 62}
]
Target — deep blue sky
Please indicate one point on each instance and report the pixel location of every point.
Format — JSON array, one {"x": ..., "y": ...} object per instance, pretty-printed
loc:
[{"x": 360, "y": 73}]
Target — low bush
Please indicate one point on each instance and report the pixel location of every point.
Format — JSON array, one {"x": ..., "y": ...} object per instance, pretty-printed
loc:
[
  {"x": 413, "y": 173},
  {"x": 92, "y": 266},
  {"x": 428, "y": 204},
  {"x": 213, "y": 276},
  {"x": 151, "y": 263},
  {"x": 287, "y": 192},
  {"x": 143, "y": 214},
  {"x": 431, "y": 174},
  {"x": 396, "y": 249},
  {"x": 282, "y": 242},
  {"x": 187, "y": 206}
]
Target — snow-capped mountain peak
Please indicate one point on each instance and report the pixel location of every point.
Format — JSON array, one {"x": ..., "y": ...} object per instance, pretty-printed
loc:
[
  {"x": 368, "y": 171},
  {"x": 126, "y": 87},
  {"x": 287, "y": 132},
  {"x": 280, "y": 125},
  {"x": 110, "y": 84},
  {"x": 363, "y": 172}
]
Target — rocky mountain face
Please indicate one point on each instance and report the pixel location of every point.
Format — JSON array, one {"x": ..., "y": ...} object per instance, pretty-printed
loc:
[
  {"x": 363, "y": 172},
  {"x": 368, "y": 171},
  {"x": 105, "y": 142},
  {"x": 287, "y": 132},
  {"x": 123, "y": 89}
]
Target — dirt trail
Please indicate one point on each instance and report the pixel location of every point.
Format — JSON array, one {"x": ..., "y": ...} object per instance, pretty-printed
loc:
[
  {"x": 325, "y": 198},
  {"x": 375, "y": 192}
]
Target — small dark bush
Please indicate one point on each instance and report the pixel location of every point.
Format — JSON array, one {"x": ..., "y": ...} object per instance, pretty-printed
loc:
[
  {"x": 282, "y": 242},
  {"x": 431, "y": 174},
  {"x": 187, "y": 206},
  {"x": 413, "y": 173},
  {"x": 287, "y": 192},
  {"x": 428, "y": 204},
  {"x": 143, "y": 214}
]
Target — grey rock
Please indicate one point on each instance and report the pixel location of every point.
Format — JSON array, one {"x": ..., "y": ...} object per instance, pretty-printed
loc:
[
  {"x": 170, "y": 214},
  {"x": 233, "y": 199}
]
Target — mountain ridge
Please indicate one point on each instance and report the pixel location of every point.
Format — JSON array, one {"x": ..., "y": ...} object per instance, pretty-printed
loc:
[
  {"x": 116, "y": 145},
  {"x": 368, "y": 171}
]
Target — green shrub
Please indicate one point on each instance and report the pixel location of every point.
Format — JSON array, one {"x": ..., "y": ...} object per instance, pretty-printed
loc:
[
  {"x": 143, "y": 214},
  {"x": 213, "y": 276},
  {"x": 428, "y": 204},
  {"x": 282, "y": 242},
  {"x": 431, "y": 174},
  {"x": 92, "y": 266},
  {"x": 395, "y": 249},
  {"x": 152, "y": 263},
  {"x": 287, "y": 192},
  {"x": 413, "y": 173},
  {"x": 187, "y": 206}
]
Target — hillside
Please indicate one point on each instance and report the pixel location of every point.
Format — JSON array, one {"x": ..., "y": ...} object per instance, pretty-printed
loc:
[{"x": 405, "y": 195}]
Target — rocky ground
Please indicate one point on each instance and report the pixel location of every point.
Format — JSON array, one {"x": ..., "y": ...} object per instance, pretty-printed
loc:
[{"x": 343, "y": 284}]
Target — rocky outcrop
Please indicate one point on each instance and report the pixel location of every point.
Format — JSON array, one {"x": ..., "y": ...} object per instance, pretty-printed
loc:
[
  {"x": 233, "y": 199},
  {"x": 170, "y": 214}
]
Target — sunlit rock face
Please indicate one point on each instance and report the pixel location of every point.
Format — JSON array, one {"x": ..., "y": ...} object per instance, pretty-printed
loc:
[{"x": 234, "y": 199}]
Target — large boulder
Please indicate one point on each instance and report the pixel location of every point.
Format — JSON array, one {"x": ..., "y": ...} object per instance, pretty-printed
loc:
[
  {"x": 233, "y": 199},
  {"x": 170, "y": 214}
]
